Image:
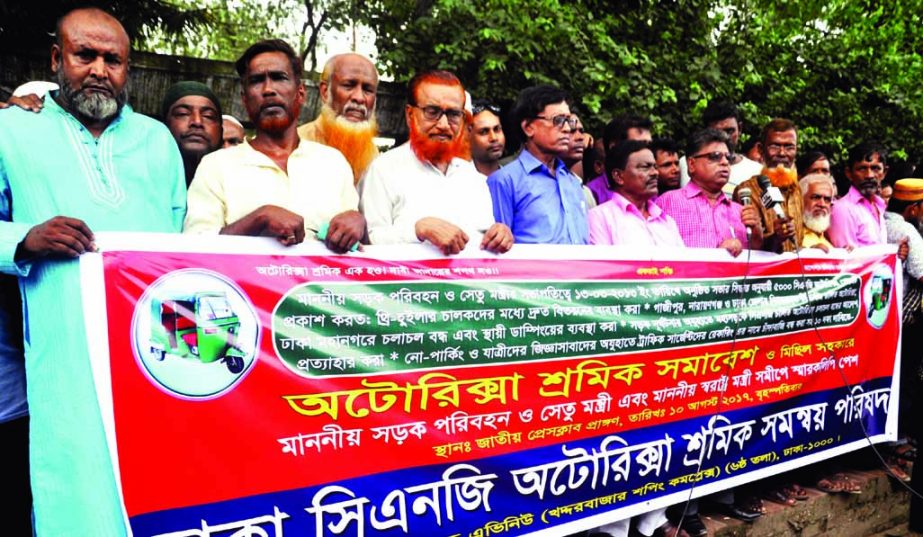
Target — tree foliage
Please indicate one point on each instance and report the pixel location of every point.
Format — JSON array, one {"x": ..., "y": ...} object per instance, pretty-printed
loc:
[
  {"x": 30, "y": 25},
  {"x": 843, "y": 70},
  {"x": 233, "y": 25}
]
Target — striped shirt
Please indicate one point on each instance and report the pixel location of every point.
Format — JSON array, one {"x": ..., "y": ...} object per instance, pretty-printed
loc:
[{"x": 703, "y": 224}]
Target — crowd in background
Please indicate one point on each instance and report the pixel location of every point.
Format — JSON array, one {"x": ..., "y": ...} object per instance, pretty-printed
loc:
[{"x": 75, "y": 159}]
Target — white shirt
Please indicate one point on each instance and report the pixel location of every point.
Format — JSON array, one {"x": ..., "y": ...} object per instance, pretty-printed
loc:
[
  {"x": 231, "y": 183},
  {"x": 398, "y": 189}
]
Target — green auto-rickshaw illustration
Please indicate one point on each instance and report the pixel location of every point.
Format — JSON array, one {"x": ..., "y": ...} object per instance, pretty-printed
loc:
[{"x": 200, "y": 326}]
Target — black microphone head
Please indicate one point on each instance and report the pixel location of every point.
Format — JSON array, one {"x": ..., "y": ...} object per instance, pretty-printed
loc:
[{"x": 763, "y": 181}]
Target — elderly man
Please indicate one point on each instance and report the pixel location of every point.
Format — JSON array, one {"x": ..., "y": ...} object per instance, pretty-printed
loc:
[
  {"x": 232, "y": 131},
  {"x": 112, "y": 169},
  {"x": 782, "y": 230},
  {"x": 858, "y": 217},
  {"x": 535, "y": 194},
  {"x": 276, "y": 184},
  {"x": 348, "y": 87},
  {"x": 705, "y": 216},
  {"x": 192, "y": 112},
  {"x": 818, "y": 191},
  {"x": 426, "y": 190},
  {"x": 630, "y": 217}
]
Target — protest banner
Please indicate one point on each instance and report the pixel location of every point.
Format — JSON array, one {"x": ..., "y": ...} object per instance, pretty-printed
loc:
[{"x": 249, "y": 389}]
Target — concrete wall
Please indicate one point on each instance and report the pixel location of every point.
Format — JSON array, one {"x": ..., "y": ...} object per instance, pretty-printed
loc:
[{"x": 152, "y": 74}]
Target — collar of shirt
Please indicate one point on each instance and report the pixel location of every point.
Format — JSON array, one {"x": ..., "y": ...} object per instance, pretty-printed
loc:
[
  {"x": 653, "y": 210},
  {"x": 692, "y": 190},
  {"x": 530, "y": 164},
  {"x": 52, "y": 106},
  {"x": 856, "y": 197}
]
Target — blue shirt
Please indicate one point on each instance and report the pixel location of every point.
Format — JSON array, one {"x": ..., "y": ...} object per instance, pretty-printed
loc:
[
  {"x": 129, "y": 179},
  {"x": 539, "y": 207},
  {"x": 12, "y": 363}
]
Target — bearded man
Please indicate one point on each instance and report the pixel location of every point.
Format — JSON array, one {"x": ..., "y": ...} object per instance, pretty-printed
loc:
[
  {"x": 86, "y": 162},
  {"x": 783, "y": 229},
  {"x": 348, "y": 86},
  {"x": 858, "y": 218},
  {"x": 276, "y": 184},
  {"x": 818, "y": 191},
  {"x": 427, "y": 190}
]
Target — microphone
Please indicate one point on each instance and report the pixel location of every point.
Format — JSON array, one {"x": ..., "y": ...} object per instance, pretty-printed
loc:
[
  {"x": 772, "y": 197},
  {"x": 746, "y": 198}
]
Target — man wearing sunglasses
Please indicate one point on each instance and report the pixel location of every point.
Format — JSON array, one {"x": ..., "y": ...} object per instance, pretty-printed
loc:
[
  {"x": 706, "y": 217},
  {"x": 427, "y": 190},
  {"x": 536, "y": 195},
  {"x": 486, "y": 136}
]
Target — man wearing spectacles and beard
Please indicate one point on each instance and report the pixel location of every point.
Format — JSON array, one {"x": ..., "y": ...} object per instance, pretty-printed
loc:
[
  {"x": 427, "y": 189},
  {"x": 706, "y": 218},
  {"x": 486, "y": 137},
  {"x": 536, "y": 195},
  {"x": 783, "y": 227}
]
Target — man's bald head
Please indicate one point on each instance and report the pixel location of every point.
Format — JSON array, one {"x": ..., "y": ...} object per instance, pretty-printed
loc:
[
  {"x": 90, "y": 61},
  {"x": 348, "y": 86},
  {"x": 89, "y": 17}
]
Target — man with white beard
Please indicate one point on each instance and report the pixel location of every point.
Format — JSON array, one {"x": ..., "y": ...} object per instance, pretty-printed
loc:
[
  {"x": 348, "y": 86},
  {"x": 275, "y": 184},
  {"x": 818, "y": 192}
]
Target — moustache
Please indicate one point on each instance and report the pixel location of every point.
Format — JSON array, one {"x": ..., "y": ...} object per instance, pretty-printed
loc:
[{"x": 354, "y": 107}]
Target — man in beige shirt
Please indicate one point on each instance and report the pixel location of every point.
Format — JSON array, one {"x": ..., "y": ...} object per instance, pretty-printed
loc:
[
  {"x": 276, "y": 184},
  {"x": 348, "y": 88}
]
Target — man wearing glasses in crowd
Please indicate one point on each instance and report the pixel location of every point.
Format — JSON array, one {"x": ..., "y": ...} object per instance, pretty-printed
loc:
[
  {"x": 486, "y": 137},
  {"x": 783, "y": 225},
  {"x": 706, "y": 218},
  {"x": 536, "y": 195},
  {"x": 427, "y": 189}
]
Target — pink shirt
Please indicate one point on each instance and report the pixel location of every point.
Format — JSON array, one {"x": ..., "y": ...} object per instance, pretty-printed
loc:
[
  {"x": 619, "y": 222},
  {"x": 701, "y": 224},
  {"x": 853, "y": 222}
]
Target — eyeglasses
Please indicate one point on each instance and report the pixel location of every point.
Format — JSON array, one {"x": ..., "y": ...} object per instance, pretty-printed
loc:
[
  {"x": 715, "y": 156},
  {"x": 560, "y": 120},
  {"x": 778, "y": 148},
  {"x": 434, "y": 113},
  {"x": 480, "y": 107}
]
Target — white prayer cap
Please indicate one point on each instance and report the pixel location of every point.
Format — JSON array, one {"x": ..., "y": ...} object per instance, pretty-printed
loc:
[{"x": 35, "y": 87}]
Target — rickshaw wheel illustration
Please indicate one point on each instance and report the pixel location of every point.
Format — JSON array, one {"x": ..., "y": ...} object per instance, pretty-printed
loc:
[
  {"x": 235, "y": 364},
  {"x": 159, "y": 354}
]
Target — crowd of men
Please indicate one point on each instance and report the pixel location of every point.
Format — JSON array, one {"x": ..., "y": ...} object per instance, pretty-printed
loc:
[{"x": 79, "y": 160}]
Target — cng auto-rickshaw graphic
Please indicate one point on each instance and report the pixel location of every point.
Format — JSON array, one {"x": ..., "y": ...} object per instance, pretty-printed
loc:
[
  {"x": 200, "y": 326},
  {"x": 880, "y": 292}
]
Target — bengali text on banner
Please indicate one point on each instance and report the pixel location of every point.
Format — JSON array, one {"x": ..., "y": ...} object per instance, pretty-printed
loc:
[{"x": 249, "y": 389}]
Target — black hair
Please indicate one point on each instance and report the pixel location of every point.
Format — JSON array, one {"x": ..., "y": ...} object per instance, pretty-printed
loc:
[
  {"x": 269, "y": 45},
  {"x": 617, "y": 159},
  {"x": 616, "y": 130},
  {"x": 532, "y": 101},
  {"x": 701, "y": 138}
]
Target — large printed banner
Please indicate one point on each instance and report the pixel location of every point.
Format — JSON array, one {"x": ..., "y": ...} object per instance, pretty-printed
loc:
[{"x": 261, "y": 391}]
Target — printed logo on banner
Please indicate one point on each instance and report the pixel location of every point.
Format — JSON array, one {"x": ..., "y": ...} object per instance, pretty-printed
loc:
[
  {"x": 877, "y": 295},
  {"x": 195, "y": 333}
]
